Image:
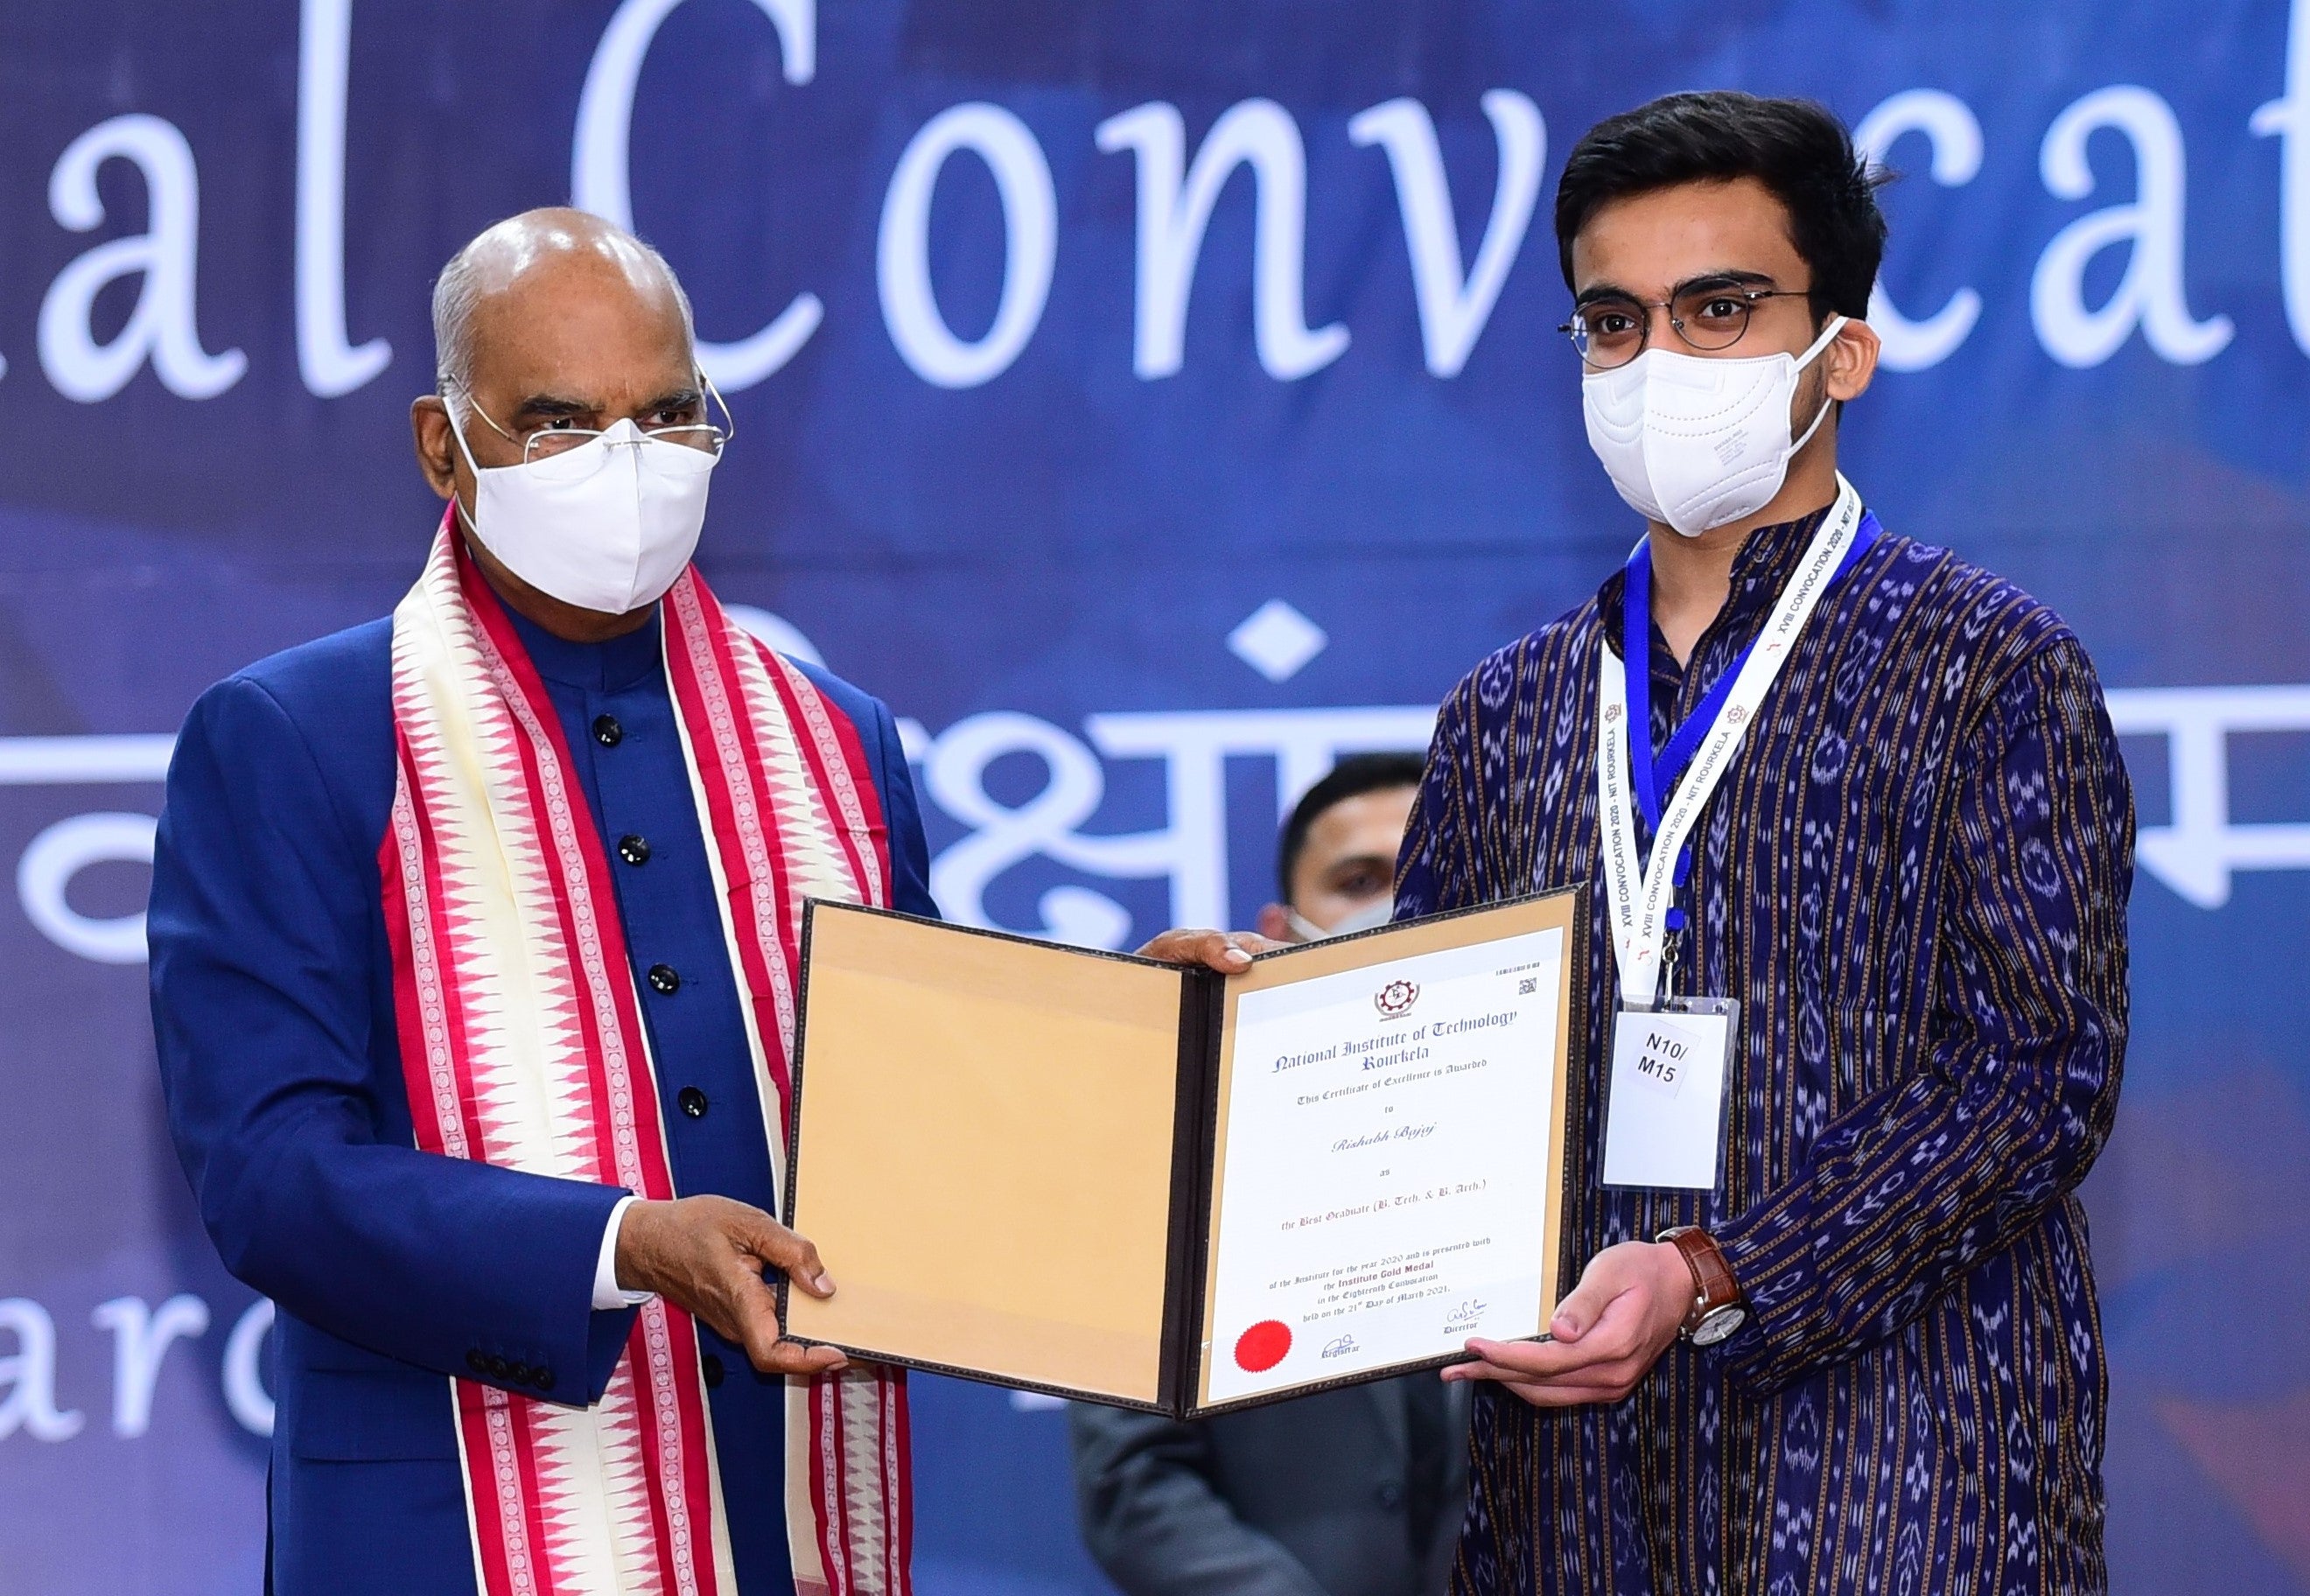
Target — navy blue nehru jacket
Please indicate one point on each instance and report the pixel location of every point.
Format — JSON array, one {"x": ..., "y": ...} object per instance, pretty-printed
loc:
[{"x": 273, "y": 1010}]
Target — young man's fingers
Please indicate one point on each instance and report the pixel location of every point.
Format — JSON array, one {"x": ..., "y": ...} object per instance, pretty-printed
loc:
[
  {"x": 1532, "y": 1361},
  {"x": 1579, "y": 1313}
]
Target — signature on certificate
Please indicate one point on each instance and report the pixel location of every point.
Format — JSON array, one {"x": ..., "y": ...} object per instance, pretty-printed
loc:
[
  {"x": 1465, "y": 1317},
  {"x": 1340, "y": 1348}
]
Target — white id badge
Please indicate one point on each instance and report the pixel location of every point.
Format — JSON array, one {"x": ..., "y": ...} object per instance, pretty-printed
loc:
[{"x": 1664, "y": 1122}]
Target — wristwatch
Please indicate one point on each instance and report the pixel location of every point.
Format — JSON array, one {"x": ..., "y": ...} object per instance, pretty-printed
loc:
[{"x": 1717, "y": 1307}]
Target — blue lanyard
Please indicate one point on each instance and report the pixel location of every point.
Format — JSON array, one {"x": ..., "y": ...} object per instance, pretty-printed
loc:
[{"x": 1655, "y": 776}]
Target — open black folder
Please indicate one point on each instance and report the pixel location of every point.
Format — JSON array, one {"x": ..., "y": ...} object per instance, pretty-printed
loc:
[{"x": 1013, "y": 1155}]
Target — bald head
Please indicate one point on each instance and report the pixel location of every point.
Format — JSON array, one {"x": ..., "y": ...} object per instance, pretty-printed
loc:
[
  {"x": 553, "y": 321},
  {"x": 541, "y": 264}
]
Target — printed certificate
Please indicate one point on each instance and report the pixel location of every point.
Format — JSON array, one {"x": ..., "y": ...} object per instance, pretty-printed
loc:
[{"x": 1378, "y": 1190}]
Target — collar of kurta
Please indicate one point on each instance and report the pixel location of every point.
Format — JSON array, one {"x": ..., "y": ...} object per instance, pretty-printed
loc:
[
  {"x": 611, "y": 666},
  {"x": 1767, "y": 558}
]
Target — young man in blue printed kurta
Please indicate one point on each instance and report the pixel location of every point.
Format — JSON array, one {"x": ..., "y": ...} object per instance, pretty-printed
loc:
[
  {"x": 274, "y": 1008},
  {"x": 1845, "y": 1340}
]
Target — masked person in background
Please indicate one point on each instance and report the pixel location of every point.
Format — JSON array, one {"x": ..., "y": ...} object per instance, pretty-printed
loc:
[
  {"x": 474, "y": 939},
  {"x": 1860, "y": 844},
  {"x": 1335, "y": 866},
  {"x": 1355, "y": 1492}
]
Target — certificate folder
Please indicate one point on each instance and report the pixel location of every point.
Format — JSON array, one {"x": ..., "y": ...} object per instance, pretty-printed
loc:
[{"x": 1014, "y": 1155}]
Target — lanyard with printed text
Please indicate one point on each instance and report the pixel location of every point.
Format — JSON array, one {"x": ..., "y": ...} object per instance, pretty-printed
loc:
[{"x": 1638, "y": 890}]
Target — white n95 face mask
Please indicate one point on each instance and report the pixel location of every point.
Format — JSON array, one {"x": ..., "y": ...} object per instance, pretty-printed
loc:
[
  {"x": 1376, "y": 913},
  {"x": 607, "y": 526},
  {"x": 1693, "y": 442}
]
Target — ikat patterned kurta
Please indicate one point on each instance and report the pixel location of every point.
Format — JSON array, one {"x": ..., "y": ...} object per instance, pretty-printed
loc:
[{"x": 1914, "y": 879}]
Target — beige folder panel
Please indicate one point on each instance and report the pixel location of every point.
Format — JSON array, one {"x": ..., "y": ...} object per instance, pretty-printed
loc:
[{"x": 984, "y": 1152}]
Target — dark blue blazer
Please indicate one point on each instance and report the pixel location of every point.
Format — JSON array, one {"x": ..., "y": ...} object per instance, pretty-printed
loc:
[{"x": 392, "y": 1268}]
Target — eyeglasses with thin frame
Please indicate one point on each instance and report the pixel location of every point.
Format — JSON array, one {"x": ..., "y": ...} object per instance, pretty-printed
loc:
[
  {"x": 1613, "y": 329},
  {"x": 553, "y": 438}
]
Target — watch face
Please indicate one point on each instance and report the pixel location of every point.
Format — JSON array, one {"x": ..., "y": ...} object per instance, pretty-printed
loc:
[{"x": 1719, "y": 1324}]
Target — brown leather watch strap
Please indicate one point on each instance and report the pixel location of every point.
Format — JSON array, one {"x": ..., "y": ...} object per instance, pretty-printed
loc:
[{"x": 1712, "y": 1277}]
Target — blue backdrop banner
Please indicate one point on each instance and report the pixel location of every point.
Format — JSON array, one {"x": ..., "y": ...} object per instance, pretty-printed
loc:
[{"x": 1152, "y": 400}]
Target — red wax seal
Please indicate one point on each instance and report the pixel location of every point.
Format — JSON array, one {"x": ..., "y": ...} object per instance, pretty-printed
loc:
[{"x": 1262, "y": 1347}]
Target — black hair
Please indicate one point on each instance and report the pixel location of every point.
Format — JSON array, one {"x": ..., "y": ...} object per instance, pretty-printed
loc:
[
  {"x": 1796, "y": 148},
  {"x": 1351, "y": 777}
]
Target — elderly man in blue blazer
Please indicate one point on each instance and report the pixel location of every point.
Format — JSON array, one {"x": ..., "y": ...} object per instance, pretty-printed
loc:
[{"x": 472, "y": 943}]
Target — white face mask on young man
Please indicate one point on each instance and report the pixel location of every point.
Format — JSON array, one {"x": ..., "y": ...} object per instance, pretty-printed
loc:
[
  {"x": 1692, "y": 442},
  {"x": 606, "y": 525}
]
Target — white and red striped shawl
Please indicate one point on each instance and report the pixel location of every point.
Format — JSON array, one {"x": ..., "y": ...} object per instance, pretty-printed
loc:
[{"x": 523, "y": 1046}]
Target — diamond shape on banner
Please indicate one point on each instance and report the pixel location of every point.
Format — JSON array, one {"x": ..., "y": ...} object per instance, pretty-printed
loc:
[{"x": 1277, "y": 641}]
